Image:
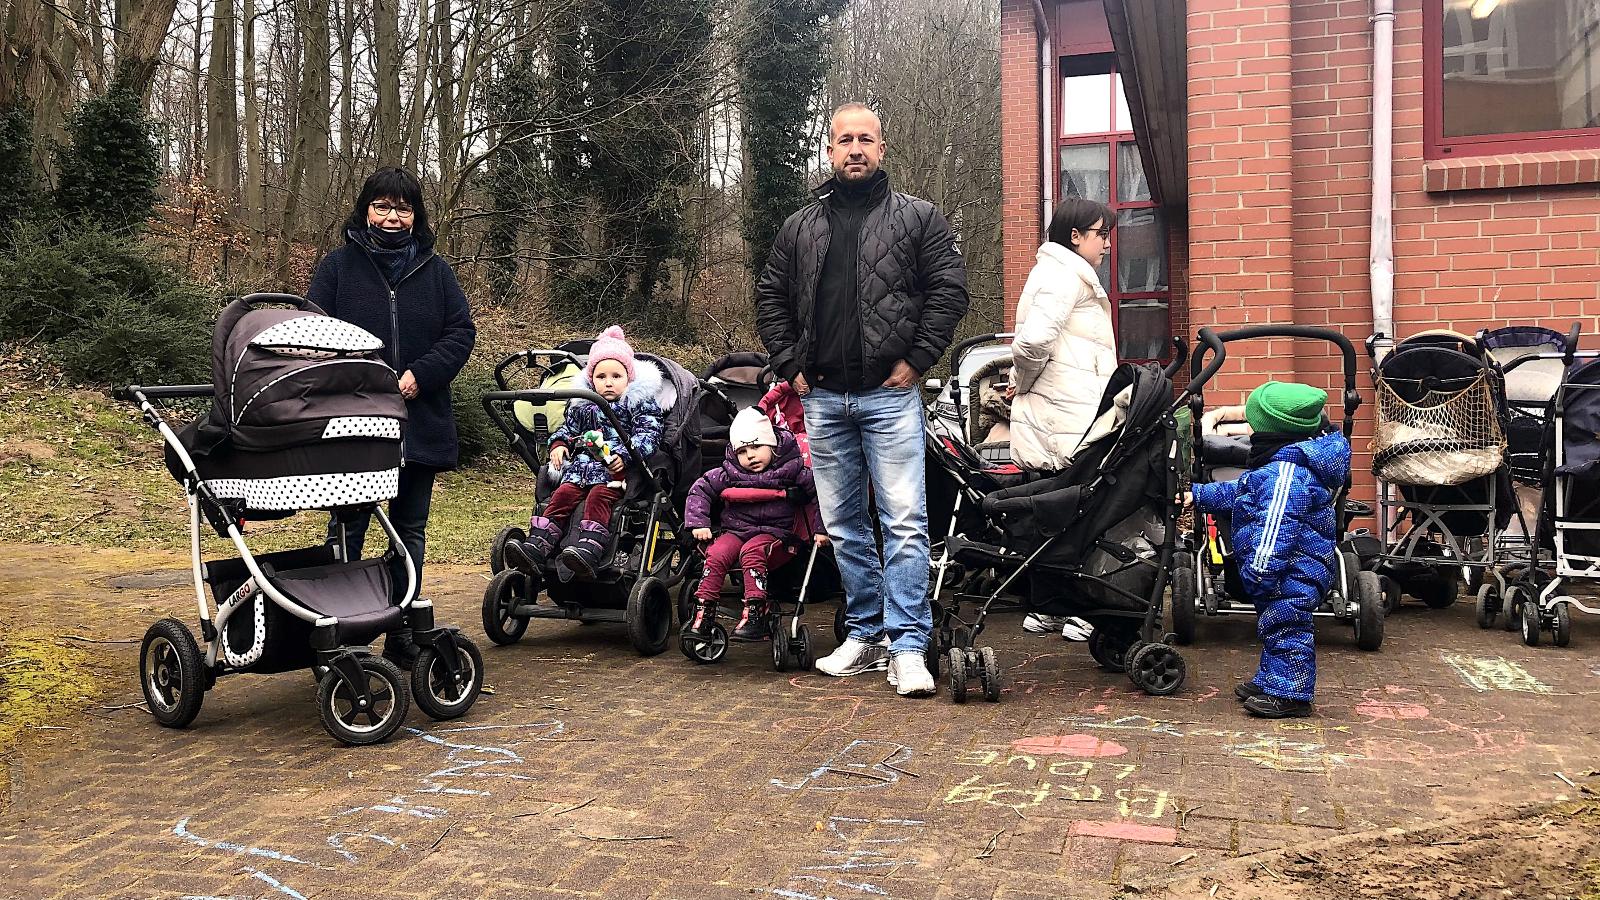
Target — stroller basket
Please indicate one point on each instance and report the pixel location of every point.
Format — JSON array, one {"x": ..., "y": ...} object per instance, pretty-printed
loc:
[{"x": 1438, "y": 414}]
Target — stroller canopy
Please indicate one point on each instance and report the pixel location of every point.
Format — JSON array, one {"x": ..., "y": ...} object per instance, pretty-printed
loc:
[
  {"x": 1440, "y": 412},
  {"x": 1580, "y": 421},
  {"x": 1533, "y": 383}
]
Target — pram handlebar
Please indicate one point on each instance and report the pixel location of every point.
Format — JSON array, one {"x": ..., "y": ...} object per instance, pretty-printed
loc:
[
  {"x": 1352, "y": 398},
  {"x": 529, "y": 358},
  {"x": 547, "y": 395},
  {"x": 293, "y": 300},
  {"x": 1201, "y": 371},
  {"x": 1180, "y": 355},
  {"x": 962, "y": 349},
  {"x": 133, "y": 392}
]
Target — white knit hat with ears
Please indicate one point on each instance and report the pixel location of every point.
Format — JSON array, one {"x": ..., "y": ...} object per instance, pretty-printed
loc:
[{"x": 751, "y": 429}]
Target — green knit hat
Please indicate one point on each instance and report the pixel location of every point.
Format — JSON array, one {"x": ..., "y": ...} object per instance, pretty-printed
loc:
[{"x": 1282, "y": 407}]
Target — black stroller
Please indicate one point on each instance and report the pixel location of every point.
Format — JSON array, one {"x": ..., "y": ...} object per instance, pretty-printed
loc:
[
  {"x": 304, "y": 414},
  {"x": 1205, "y": 577},
  {"x": 647, "y": 556},
  {"x": 1093, "y": 541}
]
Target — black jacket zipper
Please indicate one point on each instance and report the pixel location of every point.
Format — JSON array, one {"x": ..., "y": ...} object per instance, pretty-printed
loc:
[{"x": 394, "y": 321}]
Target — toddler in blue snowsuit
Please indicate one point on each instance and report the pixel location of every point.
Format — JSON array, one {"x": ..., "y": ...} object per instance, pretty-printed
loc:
[{"x": 1284, "y": 530}]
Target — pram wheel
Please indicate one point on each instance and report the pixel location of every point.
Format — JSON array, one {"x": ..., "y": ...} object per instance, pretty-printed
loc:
[
  {"x": 505, "y": 591},
  {"x": 1110, "y": 650},
  {"x": 839, "y": 630},
  {"x": 649, "y": 616},
  {"x": 1488, "y": 606},
  {"x": 1561, "y": 625},
  {"x": 438, "y": 693},
  {"x": 1157, "y": 669},
  {"x": 1392, "y": 595},
  {"x": 1183, "y": 598},
  {"x": 1438, "y": 591},
  {"x": 1530, "y": 620},
  {"x": 782, "y": 652},
  {"x": 1369, "y": 611},
  {"x": 989, "y": 674},
  {"x": 1510, "y": 610},
  {"x": 686, "y": 591},
  {"x": 347, "y": 720},
  {"x": 933, "y": 656},
  {"x": 803, "y": 657},
  {"x": 709, "y": 646},
  {"x": 497, "y": 547},
  {"x": 171, "y": 673},
  {"x": 958, "y": 674}
]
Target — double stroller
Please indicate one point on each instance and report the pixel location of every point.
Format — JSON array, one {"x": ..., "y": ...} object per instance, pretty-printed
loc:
[
  {"x": 1205, "y": 578},
  {"x": 647, "y": 555},
  {"x": 1094, "y": 541},
  {"x": 304, "y": 414}
]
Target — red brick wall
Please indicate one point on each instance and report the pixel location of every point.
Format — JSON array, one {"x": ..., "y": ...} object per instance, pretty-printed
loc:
[{"x": 1022, "y": 214}]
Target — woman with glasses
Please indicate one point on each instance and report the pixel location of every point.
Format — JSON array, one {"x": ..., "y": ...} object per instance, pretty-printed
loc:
[
  {"x": 387, "y": 279},
  {"x": 1063, "y": 354}
]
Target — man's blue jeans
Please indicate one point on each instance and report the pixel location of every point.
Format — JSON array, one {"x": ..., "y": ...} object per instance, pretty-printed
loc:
[{"x": 873, "y": 440}]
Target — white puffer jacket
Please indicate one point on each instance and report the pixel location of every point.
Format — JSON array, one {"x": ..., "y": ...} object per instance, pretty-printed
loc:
[{"x": 1063, "y": 355}]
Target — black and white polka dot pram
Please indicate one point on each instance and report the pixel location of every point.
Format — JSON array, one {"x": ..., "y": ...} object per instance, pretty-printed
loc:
[{"x": 304, "y": 413}]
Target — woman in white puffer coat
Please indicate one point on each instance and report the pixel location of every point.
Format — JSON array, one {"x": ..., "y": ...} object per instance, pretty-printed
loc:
[{"x": 1064, "y": 350}]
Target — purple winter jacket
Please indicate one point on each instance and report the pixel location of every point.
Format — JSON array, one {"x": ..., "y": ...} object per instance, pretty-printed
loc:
[{"x": 748, "y": 519}]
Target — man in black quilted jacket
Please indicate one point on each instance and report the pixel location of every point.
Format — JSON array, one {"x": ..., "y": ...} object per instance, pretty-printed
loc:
[{"x": 860, "y": 296}]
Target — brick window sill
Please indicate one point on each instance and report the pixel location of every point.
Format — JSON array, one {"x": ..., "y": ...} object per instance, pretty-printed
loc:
[{"x": 1511, "y": 170}]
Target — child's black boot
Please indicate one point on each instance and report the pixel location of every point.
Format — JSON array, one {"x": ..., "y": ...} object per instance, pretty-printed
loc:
[
  {"x": 1266, "y": 706},
  {"x": 585, "y": 554},
  {"x": 753, "y": 625},
  {"x": 528, "y": 556}
]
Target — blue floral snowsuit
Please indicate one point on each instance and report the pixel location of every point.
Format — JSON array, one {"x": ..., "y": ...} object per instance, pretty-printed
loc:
[{"x": 1284, "y": 532}]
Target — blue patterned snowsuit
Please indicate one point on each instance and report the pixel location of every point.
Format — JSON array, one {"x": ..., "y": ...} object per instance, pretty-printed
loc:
[{"x": 1283, "y": 544}]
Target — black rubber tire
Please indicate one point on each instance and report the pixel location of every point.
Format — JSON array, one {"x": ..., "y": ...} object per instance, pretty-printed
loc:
[
  {"x": 1511, "y": 609},
  {"x": 505, "y": 590},
  {"x": 989, "y": 674},
  {"x": 957, "y": 659},
  {"x": 1393, "y": 596},
  {"x": 686, "y": 598},
  {"x": 1488, "y": 605},
  {"x": 839, "y": 630},
  {"x": 1369, "y": 612},
  {"x": 649, "y": 616},
  {"x": 1183, "y": 604},
  {"x": 1560, "y": 625},
  {"x": 1439, "y": 592},
  {"x": 172, "y": 673},
  {"x": 1529, "y": 620},
  {"x": 705, "y": 650},
  {"x": 497, "y": 547},
  {"x": 428, "y": 681},
  {"x": 335, "y": 719},
  {"x": 1109, "y": 650},
  {"x": 782, "y": 653},
  {"x": 804, "y": 659},
  {"x": 1157, "y": 669}
]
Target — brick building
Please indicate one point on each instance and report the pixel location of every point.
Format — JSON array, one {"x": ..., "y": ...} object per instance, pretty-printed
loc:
[{"x": 1237, "y": 137}]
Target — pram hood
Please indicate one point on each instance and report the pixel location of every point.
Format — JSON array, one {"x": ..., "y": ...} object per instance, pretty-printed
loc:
[{"x": 1580, "y": 422}]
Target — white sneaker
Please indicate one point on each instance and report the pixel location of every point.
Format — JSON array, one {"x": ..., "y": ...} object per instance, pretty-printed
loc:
[
  {"x": 1037, "y": 624},
  {"x": 1075, "y": 629},
  {"x": 854, "y": 657},
  {"x": 908, "y": 672}
]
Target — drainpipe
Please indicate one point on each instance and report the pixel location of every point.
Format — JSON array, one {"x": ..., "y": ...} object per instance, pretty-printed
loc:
[
  {"x": 1381, "y": 262},
  {"x": 1047, "y": 68}
]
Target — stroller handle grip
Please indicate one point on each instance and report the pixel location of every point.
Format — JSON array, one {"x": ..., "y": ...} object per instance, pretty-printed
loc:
[
  {"x": 1201, "y": 371},
  {"x": 530, "y": 358},
  {"x": 133, "y": 392},
  {"x": 960, "y": 351},
  {"x": 294, "y": 300},
  {"x": 1347, "y": 350},
  {"x": 1180, "y": 355}
]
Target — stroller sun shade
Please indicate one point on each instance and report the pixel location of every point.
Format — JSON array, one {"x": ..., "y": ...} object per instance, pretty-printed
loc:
[
  {"x": 1528, "y": 389},
  {"x": 1439, "y": 413},
  {"x": 1580, "y": 422}
]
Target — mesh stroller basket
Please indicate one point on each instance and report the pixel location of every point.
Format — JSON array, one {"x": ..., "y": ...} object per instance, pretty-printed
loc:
[
  {"x": 1528, "y": 390},
  {"x": 1439, "y": 413}
]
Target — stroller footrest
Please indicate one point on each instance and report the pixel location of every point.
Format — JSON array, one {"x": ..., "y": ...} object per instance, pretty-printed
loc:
[{"x": 975, "y": 554}]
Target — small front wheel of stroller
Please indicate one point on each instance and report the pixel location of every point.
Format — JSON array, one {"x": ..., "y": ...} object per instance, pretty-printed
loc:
[
  {"x": 1438, "y": 591},
  {"x": 1488, "y": 605},
  {"x": 171, "y": 673},
  {"x": 1530, "y": 619},
  {"x": 1110, "y": 650},
  {"x": 497, "y": 547},
  {"x": 840, "y": 632},
  {"x": 1157, "y": 669},
  {"x": 1183, "y": 598},
  {"x": 706, "y": 647},
  {"x": 989, "y": 674},
  {"x": 505, "y": 591},
  {"x": 1561, "y": 625},
  {"x": 804, "y": 659},
  {"x": 1392, "y": 594},
  {"x": 649, "y": 616},
  {"x": 1369, "y": 611},
  {"x": 1511, "y": 609},
  {"x": 356, "y": 721},
  {"x": 782, "y": 652},
  {"x": 439, "y": 692},
  {"x": 957, "y": 659}
]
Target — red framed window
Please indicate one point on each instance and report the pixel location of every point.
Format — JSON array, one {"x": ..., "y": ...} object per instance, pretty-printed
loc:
[
  {"x": 1508, "y": 76},
  {"x": 1096, "y": 158}
]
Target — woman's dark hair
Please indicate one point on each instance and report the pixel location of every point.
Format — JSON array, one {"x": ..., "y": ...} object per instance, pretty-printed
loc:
[
  {"x": 1076, "y": 213},
  {"x": 391, "y": 183}
]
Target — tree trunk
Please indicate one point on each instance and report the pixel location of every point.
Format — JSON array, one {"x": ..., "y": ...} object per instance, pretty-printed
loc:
[
  {"x": 417, "y": 119},
  {"x": 222, "y": 105},
  {"x": 144, "y": 29},
  {"x": 347, "y": 72},
  {"x": 389, "y": 140},
  {"x": 253, "y": 156},
  {"x": 194, "y": 164},
  {"x": 316, "y": 111}
]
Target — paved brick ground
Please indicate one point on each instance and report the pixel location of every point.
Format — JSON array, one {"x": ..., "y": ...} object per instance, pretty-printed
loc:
[{"x": 591, "y": 772}]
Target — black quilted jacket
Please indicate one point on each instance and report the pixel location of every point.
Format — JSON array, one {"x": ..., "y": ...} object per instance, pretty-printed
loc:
[{"x": 912, "y": 290}]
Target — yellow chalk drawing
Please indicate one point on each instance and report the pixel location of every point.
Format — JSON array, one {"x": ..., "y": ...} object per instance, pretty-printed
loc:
[{"x": 1492, "y": 673}]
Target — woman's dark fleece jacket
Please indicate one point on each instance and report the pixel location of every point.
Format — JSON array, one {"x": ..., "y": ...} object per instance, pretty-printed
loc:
[
  {"x": 748, "y": 519},
  {"x": 425, "y": 326}
]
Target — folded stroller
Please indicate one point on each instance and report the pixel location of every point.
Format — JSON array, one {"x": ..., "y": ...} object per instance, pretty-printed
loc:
[
  {"x": 1444, "y": 487},
  {"x": 1567, "y": 533},
  {"x": 971, "y": 407},
  {"x": 648, "y": 555},
  {"x": 1205, "y": 577},
  {"x": 1094, "y": 541},
  {"x": 737, "y": 381},
  {"x": 304, "y": 414}
]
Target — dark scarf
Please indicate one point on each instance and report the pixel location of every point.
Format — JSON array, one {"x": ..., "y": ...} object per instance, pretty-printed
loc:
[
  {"x": 1264, "y": 445},
  {"x": 393, "y": 253}
]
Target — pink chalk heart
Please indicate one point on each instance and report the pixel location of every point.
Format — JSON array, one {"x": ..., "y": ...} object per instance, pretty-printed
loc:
[
  {"x": 1376, "y": 709},
  {"x": 1068, "y": 745}
]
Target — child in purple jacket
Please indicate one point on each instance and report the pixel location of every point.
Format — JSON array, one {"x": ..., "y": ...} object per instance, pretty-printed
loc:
[{"x": 759, "y": 535}]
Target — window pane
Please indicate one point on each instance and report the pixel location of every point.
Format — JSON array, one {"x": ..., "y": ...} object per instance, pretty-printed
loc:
[
  {"x": 1085, "y": 104},
  {"x": 1086, "y": 172},
  {"x": 1124, "y": 117},
  {"x": 1143, "y": 328},
  {"x": 1132, "y": 186},
  {"x": 1519, "y": 65},
  {"x": 1141, "y": 240}
]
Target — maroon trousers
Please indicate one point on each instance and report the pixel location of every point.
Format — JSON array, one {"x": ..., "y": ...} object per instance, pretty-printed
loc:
[
  {"x": 597, "y": 503},
  {"x": 757, "y": 556}
]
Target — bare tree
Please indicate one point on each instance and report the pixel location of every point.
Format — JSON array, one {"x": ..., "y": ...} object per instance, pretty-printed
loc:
[{"x": 222, "y": 106}]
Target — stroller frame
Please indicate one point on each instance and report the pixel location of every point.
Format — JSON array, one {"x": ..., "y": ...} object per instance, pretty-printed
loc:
[
  {"x": 1199, "y": 583},
  {"x": 650, "y": 572},
  {"x": 791, "y": 637}
]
